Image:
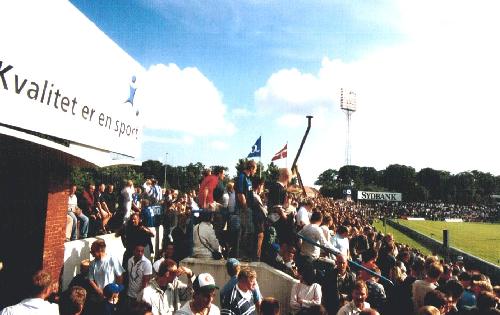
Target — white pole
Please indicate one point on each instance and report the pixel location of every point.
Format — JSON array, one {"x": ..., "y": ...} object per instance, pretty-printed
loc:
[
  {"x": 260, "y": 157},
  {"x": 286, "y": 159},
  {"x": 165, "y": 178}
]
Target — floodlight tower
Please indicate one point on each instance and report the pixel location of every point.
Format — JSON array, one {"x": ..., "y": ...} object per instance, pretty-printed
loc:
[{"x": 348, "y": 105}]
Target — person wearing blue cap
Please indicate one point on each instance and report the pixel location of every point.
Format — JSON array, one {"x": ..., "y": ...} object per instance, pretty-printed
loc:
[{"x": 111, "y": 297}]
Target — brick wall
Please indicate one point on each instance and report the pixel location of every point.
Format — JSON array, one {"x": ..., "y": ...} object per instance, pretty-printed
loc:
[{"x": 55, "y": 223}]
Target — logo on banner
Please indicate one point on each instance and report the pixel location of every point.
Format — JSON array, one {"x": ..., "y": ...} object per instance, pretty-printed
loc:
[{"x": 131, "y": 96}]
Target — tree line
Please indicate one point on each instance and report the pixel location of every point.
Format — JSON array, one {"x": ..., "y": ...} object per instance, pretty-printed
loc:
[
  {"x": 183, "y": 178},
  {"x": 471, "y": 187}
]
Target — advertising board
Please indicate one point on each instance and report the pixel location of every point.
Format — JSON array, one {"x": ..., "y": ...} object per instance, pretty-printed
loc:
[
  {"x": 60, "y": 75},
  {"x": 379, "y": 196}
]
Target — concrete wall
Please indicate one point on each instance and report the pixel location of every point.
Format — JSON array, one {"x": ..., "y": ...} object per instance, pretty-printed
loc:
[
  {"x": 272, "y": 282},
  {"x": 76, "y": 251},
  {"x": 471, "y": 261}
]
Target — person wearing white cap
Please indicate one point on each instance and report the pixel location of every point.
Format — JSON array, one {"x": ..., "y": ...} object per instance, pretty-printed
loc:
[{"x": 204, "y": 292}]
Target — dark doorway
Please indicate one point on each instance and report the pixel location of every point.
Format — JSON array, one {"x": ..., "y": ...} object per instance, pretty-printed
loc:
[{"x": 23, "y": 204}]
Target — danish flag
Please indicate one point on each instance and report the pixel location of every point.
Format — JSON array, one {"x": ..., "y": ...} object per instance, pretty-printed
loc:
[{"x": 281, "y": 154}]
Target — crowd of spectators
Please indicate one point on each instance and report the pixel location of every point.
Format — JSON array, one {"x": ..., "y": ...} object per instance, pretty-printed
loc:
[
  {"x": 437, "y": 211},
  {"x": 342, "y": 263}
]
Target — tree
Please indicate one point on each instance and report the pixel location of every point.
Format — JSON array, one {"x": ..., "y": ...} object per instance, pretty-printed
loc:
[
  {"x": 401, "y": 178},
  {"x": 349, "y": 175},
  {"x": 434, "y": 182},
  {"x": 330, "y": 185},
  {"x": 192, "y": 177},
  {"x": 485, "y": 185},
  {"x": 465, "y": 188},
  {"x": 153, "y": 168},
  {"x": 115, "y": 175},
  {"x": 327, "y": 178},
  {"x": 369, "y": 176},
  {"x": 271, "y": 174},
  {"x": 81, "y": 177}
]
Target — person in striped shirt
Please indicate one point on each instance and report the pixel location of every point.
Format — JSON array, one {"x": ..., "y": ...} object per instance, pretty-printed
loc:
[{"x": 240, "y": 300}]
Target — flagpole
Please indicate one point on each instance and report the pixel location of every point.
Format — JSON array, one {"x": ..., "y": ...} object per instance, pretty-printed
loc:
[{"x": 286, "y": 160}]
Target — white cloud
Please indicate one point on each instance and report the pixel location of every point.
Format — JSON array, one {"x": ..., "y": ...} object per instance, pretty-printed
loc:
[
  {"x": 182, "y": 100},
  {"x": 430, "y": 101},
  {"x": 293, "y": 90}
]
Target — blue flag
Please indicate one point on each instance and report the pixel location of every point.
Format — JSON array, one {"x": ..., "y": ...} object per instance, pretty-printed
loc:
[{"x": 255, "y": 149}]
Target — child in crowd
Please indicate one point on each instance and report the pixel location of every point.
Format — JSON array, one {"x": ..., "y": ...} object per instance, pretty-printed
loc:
[{"x": 111, "y": 298}]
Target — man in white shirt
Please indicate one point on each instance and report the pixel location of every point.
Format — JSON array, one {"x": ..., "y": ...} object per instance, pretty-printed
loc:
[
  {"x": 156, "y": 191},
  {"x": 127, "y": 193},
  {"x": 359, "y": 295},
  {"x": 314, "y": 233},
  {"x": 304, "y": 214},
  {"x": 341, "y": 240},
  {"x": 41, "y": 288},
  {"x": 76, "y": 215},
  {"x": 231, "y": 203},
  {"x": 204, "y": 292},
  {"x": 139, "y": 270},
  {"x": 421, "y": 287}
]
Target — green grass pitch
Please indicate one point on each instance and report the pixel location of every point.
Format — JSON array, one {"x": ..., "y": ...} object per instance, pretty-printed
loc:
[{"x": 479, "y": 239}]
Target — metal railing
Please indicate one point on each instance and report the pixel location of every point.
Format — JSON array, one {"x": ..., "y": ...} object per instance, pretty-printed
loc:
[{"x": 351, "y": 262}]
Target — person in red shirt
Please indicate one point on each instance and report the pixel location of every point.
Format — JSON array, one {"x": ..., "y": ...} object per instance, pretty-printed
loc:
[{"x": 207, "y": 187}]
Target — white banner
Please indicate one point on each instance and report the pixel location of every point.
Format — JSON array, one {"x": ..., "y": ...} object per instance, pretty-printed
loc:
[
  {"x": 62, "y": 76},
  {"x": 380, "y": 196},
  {"x": 454, "y": 220}
]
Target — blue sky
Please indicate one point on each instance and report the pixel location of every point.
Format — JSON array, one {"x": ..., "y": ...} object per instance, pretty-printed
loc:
[{"x": 222, "y": 73}]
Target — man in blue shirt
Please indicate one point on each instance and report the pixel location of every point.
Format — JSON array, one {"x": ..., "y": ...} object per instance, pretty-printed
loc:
[{"x": 239, "y": 221}]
